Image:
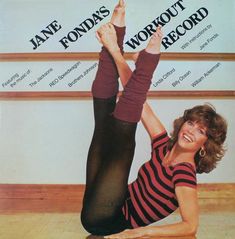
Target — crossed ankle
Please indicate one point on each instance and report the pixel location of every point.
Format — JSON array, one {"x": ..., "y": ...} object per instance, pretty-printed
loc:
[
  {"x": 147, "y": 62},
  {"x": 120, "y": 31}
]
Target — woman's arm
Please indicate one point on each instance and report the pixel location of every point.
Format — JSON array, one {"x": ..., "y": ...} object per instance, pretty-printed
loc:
[
  {"x": 151, "y": 122},
  {"x": 188, "y": 205}
]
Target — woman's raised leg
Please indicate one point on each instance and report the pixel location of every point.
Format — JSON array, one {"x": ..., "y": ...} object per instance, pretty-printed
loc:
[
  {"x": 104, "y": 91},
  {"x": 102, "y": 210},
  {"x": 101, "y": 213}
]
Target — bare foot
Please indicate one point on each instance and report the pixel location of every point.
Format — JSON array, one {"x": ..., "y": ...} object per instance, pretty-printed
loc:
[
  {"x": 118, "y": 17},
  {"x": 154, "y": 44},
  {"x": 107, "y": 36}
]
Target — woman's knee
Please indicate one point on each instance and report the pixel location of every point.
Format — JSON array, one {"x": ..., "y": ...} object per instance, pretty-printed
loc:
[
  {"x": 94, "y": 225},
  {"x": 87, "y": 221}
]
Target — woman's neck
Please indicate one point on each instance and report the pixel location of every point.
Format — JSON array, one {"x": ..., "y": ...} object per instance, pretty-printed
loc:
[{"x": 177, "y": 155}]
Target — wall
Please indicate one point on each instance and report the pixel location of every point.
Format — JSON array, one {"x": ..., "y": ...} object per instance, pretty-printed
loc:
[{"x": 47, "y": 141}]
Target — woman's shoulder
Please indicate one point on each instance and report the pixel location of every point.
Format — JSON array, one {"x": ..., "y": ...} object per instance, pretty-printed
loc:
[
  {"x": 160, "y": 139},
  {"x": 187, "y": 166},
  {"x": 184, "y": 174}
]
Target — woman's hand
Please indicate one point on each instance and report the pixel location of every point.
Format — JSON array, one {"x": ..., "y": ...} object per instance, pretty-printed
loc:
[{"x": 129, "y": 233}]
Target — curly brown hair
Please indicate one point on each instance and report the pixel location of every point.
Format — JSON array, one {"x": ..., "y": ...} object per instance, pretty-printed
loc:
[{"x": 216, "y": 132}]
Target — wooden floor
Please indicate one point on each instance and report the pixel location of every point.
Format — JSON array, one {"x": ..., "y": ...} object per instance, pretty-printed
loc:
[
  {"x": 53, "y": 212},
  {"x": 213, "y": 225}
]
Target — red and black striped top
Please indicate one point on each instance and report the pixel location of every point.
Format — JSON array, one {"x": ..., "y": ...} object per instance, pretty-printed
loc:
[{"x": 152, "y": 195}]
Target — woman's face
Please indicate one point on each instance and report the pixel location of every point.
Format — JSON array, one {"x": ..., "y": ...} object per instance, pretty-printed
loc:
[{"x": 192, "y": 136}]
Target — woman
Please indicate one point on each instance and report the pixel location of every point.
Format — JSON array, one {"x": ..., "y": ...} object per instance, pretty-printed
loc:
[{"x": 168, "y": 180}]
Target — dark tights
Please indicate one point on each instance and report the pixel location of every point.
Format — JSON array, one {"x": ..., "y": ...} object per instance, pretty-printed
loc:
[
  {"x": 108, "y": 165},
  {"x": 112, "y": 148}
]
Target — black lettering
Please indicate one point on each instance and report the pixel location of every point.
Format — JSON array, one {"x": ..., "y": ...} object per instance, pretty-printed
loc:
[
  {"x": 104, "y": 11},
  {"x": 80, "y": 29},
  {"x": 194, "y": 18},
  {"x": 187, "y": 25},
  {"x": 180, "y": 33},
  {"x": 72, "y": 36},
  {"x": 144, "y": 36},
  {"x": 55, "y": 27},
  {"x": 157, "y": 22},
  {"x": 162, "y": 20},
  {"x": 166, "y": 43},
  {"x": 47, "y": 32},
  {"x": 39, "y": 40},
  {"x": 203, "y": 12},
  {"x": 34, "y": 44},
  {"x": 84, "y": 27},
  {"x": 64, "y": 42},
  {"x": 133, "y": 42},
  {"x": 50, "y": 30},
  {"x": 96, "y": 18},
  {"x": 190, "y": 25},
  {"x": 173, "y": 36},
  {"x": 89, "y": 23},
  {"x": 150, "y": 29},
  {"x": 179, "y": 3},
  {"x": 169, "y": 10},
  {"x": 167, "y": 19}
]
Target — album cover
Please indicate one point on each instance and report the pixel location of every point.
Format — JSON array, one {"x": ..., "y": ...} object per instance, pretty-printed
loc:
[{"x": 49, "y": 58}]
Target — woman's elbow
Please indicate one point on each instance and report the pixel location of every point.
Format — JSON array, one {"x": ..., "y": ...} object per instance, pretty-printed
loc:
[{"x": 192, "y": 229}]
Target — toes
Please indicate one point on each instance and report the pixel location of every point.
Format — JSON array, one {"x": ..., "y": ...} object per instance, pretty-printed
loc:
[
  {"x": 111, "y": 27},
  {"x": 120, "y": 6},
  {"x": 107, "y": 28},
  {"x": 121, "y": 3},
  {"x": 159, "y": 31},
  {"x": 103, "y": 28}
]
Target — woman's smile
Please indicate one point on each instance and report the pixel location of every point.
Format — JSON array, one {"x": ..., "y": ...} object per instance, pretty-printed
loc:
[
  {"x": 187, "y": 137},
  {"x": 192, "y": 135}
]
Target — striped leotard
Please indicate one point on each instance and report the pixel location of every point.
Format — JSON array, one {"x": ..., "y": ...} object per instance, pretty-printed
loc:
[{"x": 152, "y": 195}]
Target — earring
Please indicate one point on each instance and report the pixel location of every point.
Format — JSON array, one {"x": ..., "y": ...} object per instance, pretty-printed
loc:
[{"x": 202, "y": 153}]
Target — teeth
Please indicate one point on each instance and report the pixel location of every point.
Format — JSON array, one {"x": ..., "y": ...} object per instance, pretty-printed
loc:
[{"x": 187, "y": 138}]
